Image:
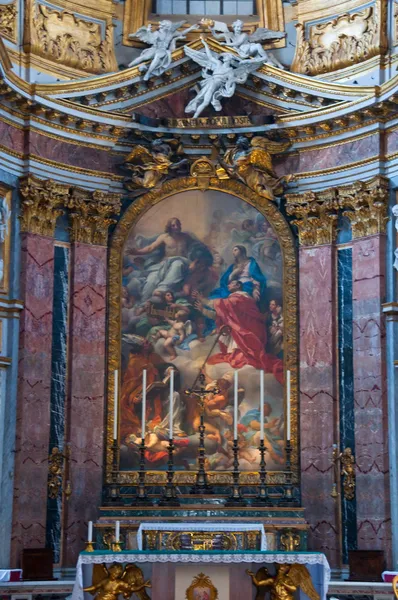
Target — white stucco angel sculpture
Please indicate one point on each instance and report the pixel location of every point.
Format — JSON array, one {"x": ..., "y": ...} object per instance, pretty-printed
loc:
[
  {"x": 220, "y": 75},
  {"x": 163, "y": 42},
  {"x": 247, "y": 46}
]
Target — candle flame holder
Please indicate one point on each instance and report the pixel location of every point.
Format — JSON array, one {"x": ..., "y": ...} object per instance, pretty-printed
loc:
[
  {"x": 141, "y": 498},
  {"x": 235, "y": 498},
  {"x": 288, "y": 499},
  {"x": 262, "y": 498},
  {"x": 89, "y": 547},
  {"x": 169, "y": 497},
  {"x": 114, "y": 490},
  {"x": 117, "y": 547}
]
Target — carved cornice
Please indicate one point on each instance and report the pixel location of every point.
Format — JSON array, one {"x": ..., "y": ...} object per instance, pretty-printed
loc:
[
  {"x": 91, "y": 215},
  {"x": 41, "y": 204},
  {"x": 315, "y": 216},
  {"x": 364, "y": 203},
  {"x": 367, "y": 204},
  {"x": 8, "y": 21}
]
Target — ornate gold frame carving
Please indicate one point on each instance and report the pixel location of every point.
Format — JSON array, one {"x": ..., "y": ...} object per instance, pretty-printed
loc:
[
  {"x": 269, "y": 14},
  {"x": 285, "y": 237},
  {"x": 5, "y": 195}
]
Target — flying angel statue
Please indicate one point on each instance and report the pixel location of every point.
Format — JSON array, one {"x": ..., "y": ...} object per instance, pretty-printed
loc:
[
  {"x": 163, "y": 42},
  {"x": 220, "y": 75},
  {"x": 247, "y": 46}
]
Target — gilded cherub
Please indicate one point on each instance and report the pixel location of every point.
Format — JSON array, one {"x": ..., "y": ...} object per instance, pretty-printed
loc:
[
  {"x": 286, "y": 581},
  {"x": 109, "y": 583},
  {"x": 251, "y": 163},
  {"x": 150, "y": 166}
]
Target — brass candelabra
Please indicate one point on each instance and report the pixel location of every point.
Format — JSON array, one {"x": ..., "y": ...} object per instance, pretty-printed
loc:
[{"x": 169, "y": 497}]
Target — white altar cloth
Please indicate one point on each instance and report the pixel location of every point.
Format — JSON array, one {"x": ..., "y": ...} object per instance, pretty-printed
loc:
[
  {"x": 201, "y": 527},
  {"x": 316, "y": 563}
]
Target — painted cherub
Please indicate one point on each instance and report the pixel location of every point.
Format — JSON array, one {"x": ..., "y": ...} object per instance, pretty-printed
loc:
[
  {"x": 180, "y": 328},
  {"x": 114, "y": 581}
]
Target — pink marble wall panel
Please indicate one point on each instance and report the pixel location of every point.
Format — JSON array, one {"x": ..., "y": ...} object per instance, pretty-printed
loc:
[
  {"x": 34, "y": 387},
  {"x": 163, "y": 581},
  {"x": 370, "y": 396},
  {"x": 61, "y": 151},
  {"x": 318, "y": 396},
  {"x": 327, "y": 158},
  {"x": 11, "y": 137},
  {"x": 86, "y": 391}
]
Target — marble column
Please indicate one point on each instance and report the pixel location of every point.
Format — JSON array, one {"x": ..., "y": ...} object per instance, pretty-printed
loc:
[
  {"x": 318, "y": 391},
  {"x": 39, "y": 212},
  {"x": 33, "y": 401},
  {"x": 87, "y": 347},
  {"x": 370, "y": 395},
  {"x": 318, "y": 396},
  {"x": 365, "y": 205}
]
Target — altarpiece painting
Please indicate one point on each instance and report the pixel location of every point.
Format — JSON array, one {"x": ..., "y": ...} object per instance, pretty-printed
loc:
[{"x": 201, "y": 290}]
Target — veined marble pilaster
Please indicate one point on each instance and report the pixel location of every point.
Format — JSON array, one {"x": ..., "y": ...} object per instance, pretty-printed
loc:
[
  {"x": 316, "y": 220},
  {"x": 33, "y": 403},
  {"x": 370, "y": 395},
  {"x": 86, "y": 391},
  {"x": 90, "y": 217}
]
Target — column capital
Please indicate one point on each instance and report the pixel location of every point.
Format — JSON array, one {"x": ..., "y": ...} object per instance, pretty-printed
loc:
[
  {"x": 41, "y": 204},
  {"x": 365, "y": 204},
  {"x": 316, "y": 216},
  {"x": 91, "y": 215}
]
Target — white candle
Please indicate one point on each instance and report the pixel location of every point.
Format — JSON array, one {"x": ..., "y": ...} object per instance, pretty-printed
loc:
[
  {"x": 90, "y": 531},
  {"x": 115, "y": 403},
  {"x": 143, "y": 403},
  {"x": 261, "y": 405},
  {"x": 235, "y": 405},
  {"x": 288, "y": 405},
  {"x": 171, "y": 402},
  {"x": 117, "y": 531}
]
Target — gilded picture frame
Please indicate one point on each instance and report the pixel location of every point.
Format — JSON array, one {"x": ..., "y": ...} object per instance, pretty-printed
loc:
[
  {"x": 270, "y": 211},
  {"x": 201, "y": 588}
]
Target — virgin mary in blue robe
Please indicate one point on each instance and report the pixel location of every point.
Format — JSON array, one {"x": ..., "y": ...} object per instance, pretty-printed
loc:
[{"x": 253, "y": 272}]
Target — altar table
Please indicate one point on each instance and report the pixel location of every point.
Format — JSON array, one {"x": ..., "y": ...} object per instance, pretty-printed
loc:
[
  {"x": 257, "y": 528},
  {"x": 166, "y": 570}
]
